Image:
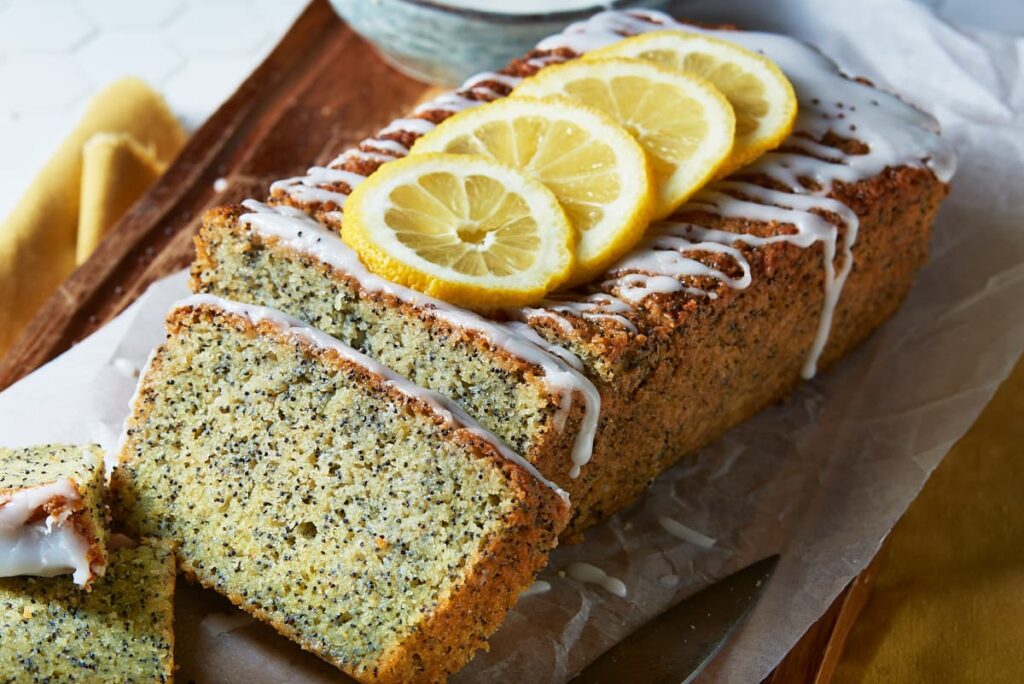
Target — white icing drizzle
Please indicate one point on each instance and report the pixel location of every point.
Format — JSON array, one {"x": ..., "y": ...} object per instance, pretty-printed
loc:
[
  {"x": 363, "y": 155},
  {"x": 678, "y": 529},
  {"x": 663, "y": 252},
  {"x": 491, "y": 77},
  {"x": 48, "y": 546},
  {"x": 391, "y": 147},
  {"x": 305, "y": 189},
  {"x": 591, "y": 574},
  {"x": 545, "y": 60},
  {"x": 125, "y": 367},
  {"x": 532, "y": 335},
  {"x": 538, "y": 587},
  {"x": 309, "y": 188},
  {"x": 895, "y": 134},
  {"x": 449, "y": 102},
  {"x": 302, "y": 234},
  {"x": 595, "y": 307},
  {"x": 321, "y": 174},
  {"x": 301, "y": 189},
  {"x": 796, "y": 210},
  {"x": 413, "y": 125},
  {"x": 293, "y": 328}
]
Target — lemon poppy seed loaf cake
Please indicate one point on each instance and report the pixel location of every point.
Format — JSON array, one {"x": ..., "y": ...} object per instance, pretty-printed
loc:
[
  {"x": 122, "y": 631},
  {"x": 362, "y": 516},
  {"x": 757, "y": 282},
  {"x": 52, "y": 512}
]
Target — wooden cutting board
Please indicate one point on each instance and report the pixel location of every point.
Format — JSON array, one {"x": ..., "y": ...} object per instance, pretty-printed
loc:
[{"x": 321, "y": 90}]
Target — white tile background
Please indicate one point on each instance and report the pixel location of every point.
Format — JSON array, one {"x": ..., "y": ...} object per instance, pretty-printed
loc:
[{"x": 54, "y": 54}]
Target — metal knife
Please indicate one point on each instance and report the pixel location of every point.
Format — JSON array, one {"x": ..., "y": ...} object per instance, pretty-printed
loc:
[{"x": 674, "y": 647}]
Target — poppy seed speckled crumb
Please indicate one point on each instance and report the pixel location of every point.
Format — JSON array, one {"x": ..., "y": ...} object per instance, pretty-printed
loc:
[
  {"x": 122, "y": 631},
  {"x": 504, "y": 393}
]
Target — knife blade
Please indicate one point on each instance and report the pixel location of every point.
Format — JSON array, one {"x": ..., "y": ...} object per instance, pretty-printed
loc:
[{"x": 675, "y": 646}]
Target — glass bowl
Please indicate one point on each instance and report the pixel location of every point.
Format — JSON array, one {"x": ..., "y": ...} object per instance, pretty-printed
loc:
[{"x": 444, "y": 44}]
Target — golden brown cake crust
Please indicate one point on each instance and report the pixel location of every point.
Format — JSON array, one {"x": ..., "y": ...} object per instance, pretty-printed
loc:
[{"x": 712, "y": 364}]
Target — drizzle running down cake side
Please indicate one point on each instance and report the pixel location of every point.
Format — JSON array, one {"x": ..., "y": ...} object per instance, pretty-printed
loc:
[
  {"x": 367, "y": 519},
  {"x": 762, "y": 279}
]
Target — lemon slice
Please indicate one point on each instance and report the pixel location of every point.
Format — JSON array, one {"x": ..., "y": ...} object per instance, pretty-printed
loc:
[
  {"x": 598, "y": 172},
  {"x": 683, "y": 124},
  {"x": 759, "y": 92},
  {"x": 467, "y": 230}
]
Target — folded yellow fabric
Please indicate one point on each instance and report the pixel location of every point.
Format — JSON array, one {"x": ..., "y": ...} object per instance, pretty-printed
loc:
[
  {"x": 949, "y": 595},
  {"x": 38, "y": 241},
  {"x": 116, "y": 170}
]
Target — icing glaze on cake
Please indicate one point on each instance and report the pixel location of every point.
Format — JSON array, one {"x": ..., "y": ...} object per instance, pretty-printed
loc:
[{"x": 893, "y": 132}]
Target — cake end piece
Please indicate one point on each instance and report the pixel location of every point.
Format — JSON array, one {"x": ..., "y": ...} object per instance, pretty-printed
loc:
[{"x": 52, "y": 512}]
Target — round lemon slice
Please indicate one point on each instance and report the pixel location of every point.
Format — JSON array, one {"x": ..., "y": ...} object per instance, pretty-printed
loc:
[
  {"x": 467, "y": 230},
  {"x": 683, "y": 124},
  {"x": 596, "y": 170},
  {"x": 759, "y": 92}
]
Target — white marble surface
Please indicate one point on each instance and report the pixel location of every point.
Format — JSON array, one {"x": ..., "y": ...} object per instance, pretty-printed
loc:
[{"x": 54, "y": 54}]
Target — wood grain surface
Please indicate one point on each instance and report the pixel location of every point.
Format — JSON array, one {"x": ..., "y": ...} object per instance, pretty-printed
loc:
[{"x": 320, "y": 90}]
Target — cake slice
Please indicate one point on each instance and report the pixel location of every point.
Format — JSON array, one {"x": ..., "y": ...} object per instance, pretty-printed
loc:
[
  {"x": 503, "y": 375},
  {"x": 52, "y": 512},
  {"x": 367, "y": 519},
  {"x": 121, "y": 631}
]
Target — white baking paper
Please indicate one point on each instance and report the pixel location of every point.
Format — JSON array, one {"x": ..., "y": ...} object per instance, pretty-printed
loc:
[{"x": 820, "y": 479}]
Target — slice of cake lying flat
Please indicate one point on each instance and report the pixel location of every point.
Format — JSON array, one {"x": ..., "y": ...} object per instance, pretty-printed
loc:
[
  {"x": 121, "y": 631},
  {"x": 52, "y": 512},
  {"x": 365, "y": 518}
]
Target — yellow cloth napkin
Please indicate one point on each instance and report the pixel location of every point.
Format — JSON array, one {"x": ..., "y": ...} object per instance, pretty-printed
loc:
[
  {"x": 116, "y": 170},
  {"x": 39, "y": 241},
  {"x": 948, "y": 603}
]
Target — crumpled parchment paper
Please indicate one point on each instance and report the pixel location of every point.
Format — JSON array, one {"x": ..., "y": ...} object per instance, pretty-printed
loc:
[{"x": 821, "y": 479}]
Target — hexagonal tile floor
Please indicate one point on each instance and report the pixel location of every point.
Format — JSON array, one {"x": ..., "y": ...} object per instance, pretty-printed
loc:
[{"x": 54, "y": 54}]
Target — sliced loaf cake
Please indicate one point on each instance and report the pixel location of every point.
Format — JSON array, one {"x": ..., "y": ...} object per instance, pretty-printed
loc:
[
  {"x": 366, "y": 518},
  {"x": 52, "y": 512},
  {"x": 762, "y": 279}
]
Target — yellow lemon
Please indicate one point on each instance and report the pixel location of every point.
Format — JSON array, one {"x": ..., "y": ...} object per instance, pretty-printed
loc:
[
  {"x": 683, "y": 123},
  {"x": 759, "y": 92},
  {"x": 468, "y": 230},
  {"x": 599, "y": 174}
]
